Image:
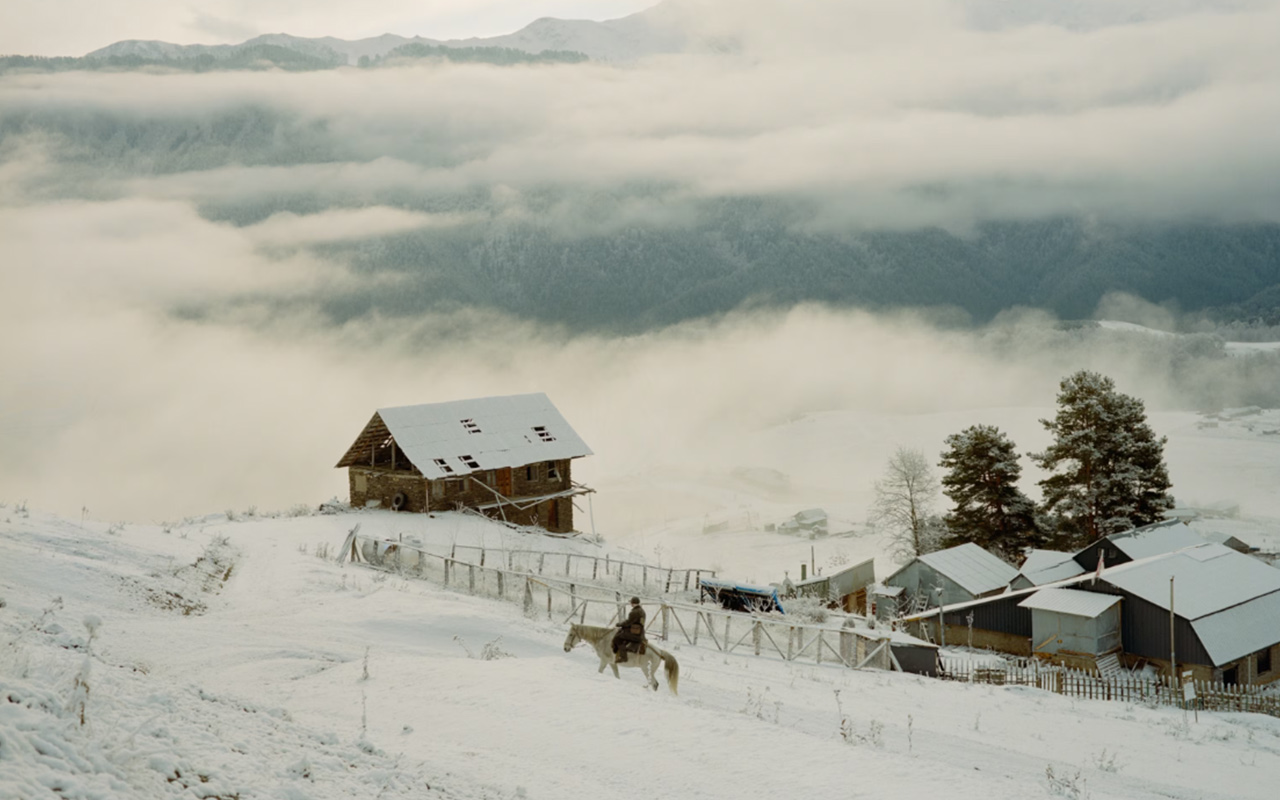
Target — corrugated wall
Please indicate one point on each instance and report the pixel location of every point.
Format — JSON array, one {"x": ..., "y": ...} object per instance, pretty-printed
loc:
[{"x": 1000, "y": 614}]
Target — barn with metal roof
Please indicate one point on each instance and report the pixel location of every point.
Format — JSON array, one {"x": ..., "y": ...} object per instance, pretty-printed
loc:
[
  {"x": 507, "y": 456},
  {"x": 953, "y": 575}
]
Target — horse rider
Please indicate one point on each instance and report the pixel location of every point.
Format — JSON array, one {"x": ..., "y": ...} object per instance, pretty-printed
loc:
[{"x": 630, "y": 633}]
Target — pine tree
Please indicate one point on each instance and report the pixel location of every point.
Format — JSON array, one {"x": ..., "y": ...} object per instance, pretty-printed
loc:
[
  {"x": 982, "y": 480},
  {"x": 1108, "y": 465}
]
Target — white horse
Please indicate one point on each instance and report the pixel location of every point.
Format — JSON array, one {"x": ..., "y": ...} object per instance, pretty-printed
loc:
[{"x": 602, "y": 640}]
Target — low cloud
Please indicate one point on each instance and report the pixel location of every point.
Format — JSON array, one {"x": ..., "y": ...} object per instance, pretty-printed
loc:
[{"x": 168, "y": 240}]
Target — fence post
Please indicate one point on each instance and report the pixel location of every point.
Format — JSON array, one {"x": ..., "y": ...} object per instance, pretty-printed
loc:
[
  {"x": 501, "y": 587},
  {"x": 595, "y": 568},
  {"x": 791, "y": 635},
  {"x": 447, "y": 562},
  {"x": 755, "y": 636},
  {"x": 819, "y": 653},
  {"x": 471, "y": 579},
  {"x": 573, "y": 597},
  {"x": 666, "y": 611},
  {"x": 548, "y": 601},
  {"x": 644, "y": 576},
  {"x": 667, "y": 589},
  {"x": 568, "y": 565},
  {"x": 697, "y": 623},
  {"x": 482, "y": 556},
  {"x": 541, "y": 558},
  {"x": 528, "y": 595}
]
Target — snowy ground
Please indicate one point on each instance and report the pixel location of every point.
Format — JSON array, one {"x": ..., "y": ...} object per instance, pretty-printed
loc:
[{"x": 245, "y": 676}]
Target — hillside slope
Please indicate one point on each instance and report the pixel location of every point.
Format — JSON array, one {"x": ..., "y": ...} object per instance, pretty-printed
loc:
[{"x": 260, "y": 690}]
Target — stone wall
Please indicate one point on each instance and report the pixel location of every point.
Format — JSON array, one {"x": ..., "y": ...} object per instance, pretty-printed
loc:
[{"x": 375, "y": 483}]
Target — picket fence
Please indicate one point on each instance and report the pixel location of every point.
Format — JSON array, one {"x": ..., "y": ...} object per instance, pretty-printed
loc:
[{"x": 1124, "y": 687}]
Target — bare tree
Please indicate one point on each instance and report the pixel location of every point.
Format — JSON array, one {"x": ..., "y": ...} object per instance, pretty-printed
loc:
[{"x": 904, "y": 505}]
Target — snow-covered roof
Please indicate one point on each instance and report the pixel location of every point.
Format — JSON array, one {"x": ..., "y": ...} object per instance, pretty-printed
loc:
[
  {"x": 1151, "y": 540},
  {"x": 1071, "y": 601},
  {"x": 976, "y": 570},
  {"x": 463, "y": 436},
  {"x": 1240, "y": 630},
  {"x": 1048, "y": 566},
  {"x": 1208, "y": 578},
  {"x": 1043, "y": 559}
]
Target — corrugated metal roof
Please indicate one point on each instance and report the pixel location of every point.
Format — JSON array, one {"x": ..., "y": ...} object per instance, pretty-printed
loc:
[
  {"x": 976, "y": 570},
  {"x": 1152, "y": 540},
  {"x": 1047, "y": 566},
  {"x": 1207, "y": 579},
  {"x": 1240, "y": 630},
  {"x": 494, "y": 432},
  {"x": 1067, "y": 569},
  {"x": 1043, "y": 559},
  {"x": 1071, "y": 601}
]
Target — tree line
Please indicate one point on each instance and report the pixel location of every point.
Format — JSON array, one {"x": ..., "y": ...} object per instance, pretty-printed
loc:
[{"x": 1106, "y": 474}]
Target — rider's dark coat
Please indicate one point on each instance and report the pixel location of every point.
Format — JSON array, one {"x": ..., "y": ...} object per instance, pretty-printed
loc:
[{"x": 630, "y": 629}]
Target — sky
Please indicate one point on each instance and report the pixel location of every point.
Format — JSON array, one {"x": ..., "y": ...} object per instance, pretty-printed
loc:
[
  {"x": 75, "y": 27},
  {"x": 165, "y": 342}
]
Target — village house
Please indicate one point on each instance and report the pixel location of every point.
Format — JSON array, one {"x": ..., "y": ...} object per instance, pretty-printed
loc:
[
  {"x": 508, "y": 457},
  {"x": 1225, "y": 617},
  {"x": 954, "y": 575}
]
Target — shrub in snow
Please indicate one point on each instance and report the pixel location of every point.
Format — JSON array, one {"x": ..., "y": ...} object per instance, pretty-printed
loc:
[
  {"x": 1066, "y": 784},
  {"x": 808, "y": 609}
]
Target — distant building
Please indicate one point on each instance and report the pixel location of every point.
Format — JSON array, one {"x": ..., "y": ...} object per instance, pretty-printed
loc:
[{"x": 509, "y": 457}]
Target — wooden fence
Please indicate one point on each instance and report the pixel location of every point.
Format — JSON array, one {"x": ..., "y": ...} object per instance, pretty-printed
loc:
[
  {"x": 1124, "y": 687},
  {"x": 597, "y": 569},
  {"x": 568, "y": 600}
]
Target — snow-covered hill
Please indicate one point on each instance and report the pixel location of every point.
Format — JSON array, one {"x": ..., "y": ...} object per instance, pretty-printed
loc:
[{"x": 228, "y": 660}]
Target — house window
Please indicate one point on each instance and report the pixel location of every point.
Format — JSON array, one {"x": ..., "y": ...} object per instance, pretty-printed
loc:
[
  {"x": 1264, "y": 660},
  {"x": 469, "y": 461},
  {"x": 470, "y": 426},
  {"x": 530, "y": 473},
  {"x": 444, "y": 466},
  {"x": 552, "y": 473},
  {"x": 543, "y": 433}
]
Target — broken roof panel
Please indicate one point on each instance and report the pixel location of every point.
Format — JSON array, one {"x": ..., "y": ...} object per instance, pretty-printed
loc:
[
  {"x": 1048, "y": 566},
  {"x": 1071, "y": 601},
  {"x": 973, "y": 568},
  {"x": 487, "y": 432}
]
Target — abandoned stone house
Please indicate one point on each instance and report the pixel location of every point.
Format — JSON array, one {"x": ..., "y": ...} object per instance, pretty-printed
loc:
[{"x": 508, "y": 457}]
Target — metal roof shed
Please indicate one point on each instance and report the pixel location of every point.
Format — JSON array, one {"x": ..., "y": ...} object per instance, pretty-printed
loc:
[
  {"x": 1069, "y": 621},
  {"x": 955, "y": 575}
]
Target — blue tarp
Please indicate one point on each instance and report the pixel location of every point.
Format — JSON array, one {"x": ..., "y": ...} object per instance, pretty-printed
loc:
[{"x": 741, "y": 596}]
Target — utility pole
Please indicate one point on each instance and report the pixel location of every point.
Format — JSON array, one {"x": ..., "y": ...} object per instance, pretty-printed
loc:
[{"x": 1173, "y": 655}]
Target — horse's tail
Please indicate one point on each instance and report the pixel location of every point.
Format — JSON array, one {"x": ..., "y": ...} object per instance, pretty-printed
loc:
[{"x": 673, "y": 670}]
